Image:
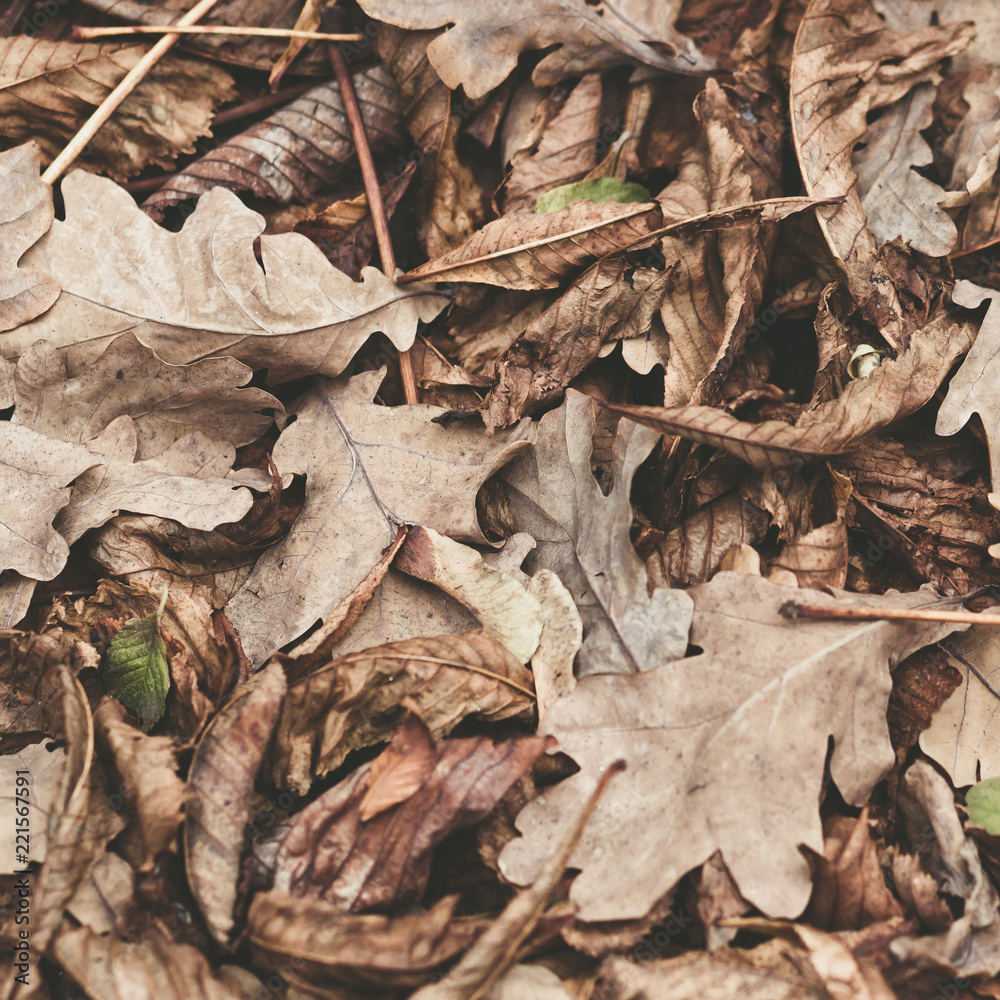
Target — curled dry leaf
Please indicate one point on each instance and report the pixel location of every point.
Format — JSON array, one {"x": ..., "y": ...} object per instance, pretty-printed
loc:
[
  {"x": 509, "y": 613},
  {"x": 154, "y": 794},
  {"x": 330, "y": 945},
  {"x": 352, "y": 702},
  {"x": 721, "y": 758},
  {"x": 538, "y": 251},
  {"x": 297, "y": 151},
  {"x": 105, "y": 966},
  {"x": 165, "y": 402},
  {"x": 293, "y": 313},
  {"x": 24, "y": 292},
  {"x": 331, "y": 854},
  {"x": 846, "y": 64},
  {"x": 368, "y": 469},
  {"x": 481, "y": 48},
  {"x": 220, "y": 784},
  {"x": 184, "y": 483},
  {"x": 895, "y": 389},
  {"x": 49, "y": 89},
  {"x": 583, "y": 537}
]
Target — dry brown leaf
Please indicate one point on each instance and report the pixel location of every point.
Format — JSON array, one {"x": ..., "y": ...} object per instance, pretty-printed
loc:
[
  {"x": 220, "y": 783},
  {"x": 720, "y": 757},
  {"x": 104, "y": 899},
  {"x": 293, "y": 313},
  {"x": 962, "y": 736},
  {"x": 35, "y": 470},
  {"x": 849, "y": 891},
  {"x": 165, "y": 402},
  {"x": 538, "y": 251},
  {"x": 108, "y": 968},
  {"x": 368, "y": 470},
  {"x": 352, "y": 702},
  {"x": 509, "y": 613},
  {"x": 971, "y": 945},
  {"x": 24, "y": 293},
  {"x": 333, "y": 946},
  {"x": 255, "y": 53},
  {"x": 49, "y": 89},
  {"x": 481, "y": 48},
  {"x": 331, "y": 854},
  {"x": 846, "y": 64},
  {"x": 583, "y": 537},
  {"x": 897, "y": 201},
  {"x": 149, "y": 785},
  {"x": 895, "y": 389},
  {"x": 565, "y": 152},
  {"x": 296, "y": 152},
  {"x": 561, "y": 639}
]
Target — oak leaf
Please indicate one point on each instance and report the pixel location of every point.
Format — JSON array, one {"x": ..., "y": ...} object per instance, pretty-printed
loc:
[
  {"x": 293, "y": 313},
  {"x": 481, "y": 48},
  {"x": 49, "y": 89},
  {"x": 583, "y": 537},
  {"x": 368, "y": 469},
  {"x": 722, "y": 755}
]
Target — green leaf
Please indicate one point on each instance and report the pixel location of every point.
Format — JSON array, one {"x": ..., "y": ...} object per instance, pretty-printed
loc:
[
  {"x": 134, "y": 669},
  {"x": 598, "y": 190},
  {"x": 983, "y": 802}
]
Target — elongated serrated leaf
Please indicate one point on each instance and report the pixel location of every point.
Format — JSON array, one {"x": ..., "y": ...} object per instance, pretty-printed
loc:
[
  {"x": 597, "y": 190},
  {"x": 134, "y": 669}
]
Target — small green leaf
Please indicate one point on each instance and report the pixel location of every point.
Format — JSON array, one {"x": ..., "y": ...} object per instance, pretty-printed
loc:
[
  {"x": 983, "y": 802},
  {"x": 598, "y": 190},
  {"x": 134, "y": 669}
]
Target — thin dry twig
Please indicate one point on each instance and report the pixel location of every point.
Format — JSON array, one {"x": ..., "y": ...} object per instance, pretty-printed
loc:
[
  {"x": 80, "y": 33},
  {"x": 792, "y": 609},
  {"x": 332, "y": 17},
  {"x": 107, "y": 107}
]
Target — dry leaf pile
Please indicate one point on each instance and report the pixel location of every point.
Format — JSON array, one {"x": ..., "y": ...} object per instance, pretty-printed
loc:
[{"x": 497, "y": 694}]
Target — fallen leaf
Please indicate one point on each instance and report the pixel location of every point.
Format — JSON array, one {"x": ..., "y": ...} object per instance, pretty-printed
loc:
[
  {"x": 220, "y": 783},
  {"x": 24, "y": 293},
  {"x": 293, "y": 314},
  {"x": 897, "y": 201},
  {"x": 983, "y": 802},
  {"x": 35, "y": 470},
  {"x": 538, "y": 251},
  {"x": 331, "y": 855},
  {"x": 756, "y": 736},
  {"x": 330, "y": 945},
  {"x": 49, "y": 89},
  {"x": 895, "y": 389},
  {"x": 509, "y": 613},
  {"x": 481, "y": 48},
  {"x": 560, "y": 641},
  {"x": 165, "y": 402},
  {"x": 294, "y": 153},
  {"x": 598, "y": 190},
  {"x": 583, "y": 537},
  {"x": 846, "y": 64},
  {"x": 107, "y": 967},
  {"x": 352, "y": 701},
  {"x": 368, "y": 469},
  {"x": 150, "y": 787}
]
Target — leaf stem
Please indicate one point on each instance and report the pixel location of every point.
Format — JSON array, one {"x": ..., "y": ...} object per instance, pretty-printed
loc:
[
  {"x": 792, "y": 609},
  {"x": 332, "y": 17},
  {"x": 107, "y": 107},
  {"x": 80, "y": 33}
]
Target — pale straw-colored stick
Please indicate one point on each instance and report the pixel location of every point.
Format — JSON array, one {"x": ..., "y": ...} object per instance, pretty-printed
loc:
[
  {"x": 81, "y": 33},
  {"x": 129, "y": 83}
]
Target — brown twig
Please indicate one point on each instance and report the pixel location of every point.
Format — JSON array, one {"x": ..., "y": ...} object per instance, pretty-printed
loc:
[
  {"x": 332, "y": 17},
  {"x": 107, "y": 107},
  {"x": 792, "y": 609},
  {"x": 263, "y": 103},
  {"x": 81, "y": 33}
]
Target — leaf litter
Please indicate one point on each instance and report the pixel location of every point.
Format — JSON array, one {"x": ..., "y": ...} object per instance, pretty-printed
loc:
[{"x": 472, "y": 675}]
